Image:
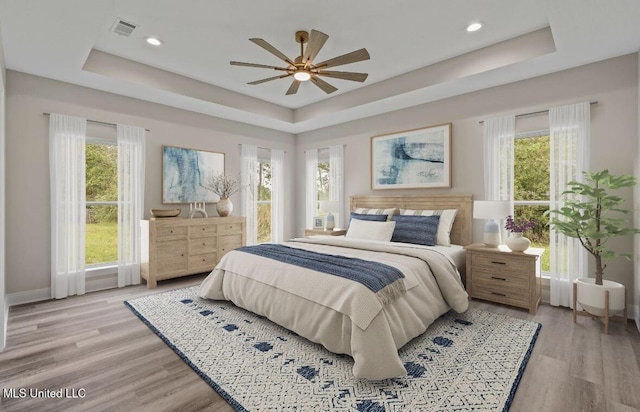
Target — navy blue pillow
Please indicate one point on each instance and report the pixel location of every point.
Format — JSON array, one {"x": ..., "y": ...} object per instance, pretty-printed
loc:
[
  {"x": 373, "y": 218},
  {"x": 419, "y": 230}
]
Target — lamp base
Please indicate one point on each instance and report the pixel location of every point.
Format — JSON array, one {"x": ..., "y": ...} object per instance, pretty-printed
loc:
[
  {"x": 491, "y": 235},
  {"x": 331, "y": 222}
]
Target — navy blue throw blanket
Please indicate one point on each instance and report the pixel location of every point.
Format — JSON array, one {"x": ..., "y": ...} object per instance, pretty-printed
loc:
[{"x": 384, "y": 280}]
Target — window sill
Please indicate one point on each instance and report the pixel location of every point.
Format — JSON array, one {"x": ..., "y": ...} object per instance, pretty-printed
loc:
[{"x": 102, "y": 270}]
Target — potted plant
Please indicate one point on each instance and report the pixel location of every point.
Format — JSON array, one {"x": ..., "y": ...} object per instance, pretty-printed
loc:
[
  {"x": 224, "y": 186},
  {"x": 516, "y": 241},
  {"x": 592, "y": 215}
]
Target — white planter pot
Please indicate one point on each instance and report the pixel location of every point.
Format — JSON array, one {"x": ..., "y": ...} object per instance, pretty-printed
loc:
[
  {"x": 591, "y": 296},
  {"x": 224, "y": 207}
]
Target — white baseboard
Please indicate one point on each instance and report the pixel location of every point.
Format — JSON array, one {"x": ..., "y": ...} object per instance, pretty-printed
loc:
[
  {"x": 4, "y": 320},
  {"x": 29, "y": 296}
]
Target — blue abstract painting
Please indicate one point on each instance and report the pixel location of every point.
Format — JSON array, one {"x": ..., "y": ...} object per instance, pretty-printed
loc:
[
  {"x": 418, "y": 158},
  {"x": 184, "y": 172}
]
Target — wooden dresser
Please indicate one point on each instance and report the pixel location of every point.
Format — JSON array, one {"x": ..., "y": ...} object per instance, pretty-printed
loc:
[
  {"x": 502, "y": 276},
  {"x": 174, "y": 247}
]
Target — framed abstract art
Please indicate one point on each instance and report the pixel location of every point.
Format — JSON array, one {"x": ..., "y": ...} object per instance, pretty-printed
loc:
[
  {"x": 413, "y": 159},
  {"x": 185, "y": 170}
]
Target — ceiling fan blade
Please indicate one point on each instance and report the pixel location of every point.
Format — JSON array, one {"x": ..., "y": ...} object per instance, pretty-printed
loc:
[
  {"x": 326, "y": 87},
  {"x": 356, "y": 77},
  {"x": 317, "y": 39},
  {"x": 263, "y": 43},
  {"x": 263, "y": 66},
  {"x": 355, "y": 56},
  {"x": 268, "y": 79},
  {"x": 293, "y": 89}
]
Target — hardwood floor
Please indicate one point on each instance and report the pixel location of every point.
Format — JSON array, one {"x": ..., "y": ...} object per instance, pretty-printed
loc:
[{"x": 95, "y": 344}]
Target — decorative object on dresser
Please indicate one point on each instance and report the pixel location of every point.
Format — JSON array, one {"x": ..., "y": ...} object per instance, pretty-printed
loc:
[
  {"x": 224, "y": 186},
  {"x": 586, "y": 214},
  {"x": 329, "y": 207},
  {"x": 474, "y": 360},
  {"x": 160, "y": 213},
  {"x": 184, "y": 171},
  {"x": 491, "y": 210},
  {"x": 322, "y": 232},
  {"x": 198, "y": 209},
  {"x": 178, "y": 247},
  {"x": 412, "y": 159},
  {"x": 502, "y": 276},
  {"x": 318, "y": 222},
  {"x": 516, "y": 241}
]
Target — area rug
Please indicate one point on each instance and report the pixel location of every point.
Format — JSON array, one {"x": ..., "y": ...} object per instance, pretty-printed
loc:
[{"x": 464, "y": 362}]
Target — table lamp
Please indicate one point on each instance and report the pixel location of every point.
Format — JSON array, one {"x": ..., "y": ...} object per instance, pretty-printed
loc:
[
  {"x": 329, "y": 207},
  {"x": 491, "y": 210}
]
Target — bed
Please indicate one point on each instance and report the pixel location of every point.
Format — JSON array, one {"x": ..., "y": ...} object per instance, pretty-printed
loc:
[{"x": 343, "y": 315}]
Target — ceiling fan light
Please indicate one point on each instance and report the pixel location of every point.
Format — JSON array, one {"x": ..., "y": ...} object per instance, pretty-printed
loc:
[{"x": 302, "y": 75}]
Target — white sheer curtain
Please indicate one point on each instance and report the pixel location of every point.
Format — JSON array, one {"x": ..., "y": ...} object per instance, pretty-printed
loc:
[
  {"x": 67, "y": 138},
  {"x": 570, "y": 141},
  {"x": 249, "y": 190},
  {"x": 131, "y": 163},
  {"x": 336, "y": 180},
  {"x": 499, "y": 134},
  {"x": 277, "y": 195},
  {"x": 311, "y": 191}
]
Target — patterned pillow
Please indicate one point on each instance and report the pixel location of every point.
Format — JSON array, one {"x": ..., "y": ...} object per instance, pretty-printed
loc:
[
  {"x": 419, "y": 230},
  {"x": 389, "y": 212},
  {"x": 363, "y": 216},
  {"x": 447, "y": 216}
]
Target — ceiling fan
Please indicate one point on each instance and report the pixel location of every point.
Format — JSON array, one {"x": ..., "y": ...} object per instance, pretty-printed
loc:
[{"x": 302, "y": 68}]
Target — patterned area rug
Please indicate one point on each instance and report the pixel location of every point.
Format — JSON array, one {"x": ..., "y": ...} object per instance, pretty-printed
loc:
[{"x": 467, "y": 362}]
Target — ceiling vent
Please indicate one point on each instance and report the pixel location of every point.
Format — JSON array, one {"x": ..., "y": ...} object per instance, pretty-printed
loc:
[{"x": 123, "y": 27}]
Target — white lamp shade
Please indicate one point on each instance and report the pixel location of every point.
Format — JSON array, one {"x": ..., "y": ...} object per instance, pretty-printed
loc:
[
  {"x": 491, "y": 209},
  {"x": 329, "y": 206}
]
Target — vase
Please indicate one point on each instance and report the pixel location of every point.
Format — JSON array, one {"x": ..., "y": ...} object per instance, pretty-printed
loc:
[
  {"x": 518, "y": 243},
  {"x": 224, "y": 207}
]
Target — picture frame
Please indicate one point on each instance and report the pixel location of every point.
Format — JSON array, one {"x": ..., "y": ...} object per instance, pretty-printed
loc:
[
  {"x": 412, "y": 159},
  {"x": 184, "y": 171},
  {"x": 318, "y": 222}
]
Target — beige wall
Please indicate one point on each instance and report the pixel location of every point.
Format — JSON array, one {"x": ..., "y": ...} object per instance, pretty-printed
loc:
[
  {"x": 613, "y": 83},
  {"x": 4, "y": 307},
  {"x": 27, "y": 174}
]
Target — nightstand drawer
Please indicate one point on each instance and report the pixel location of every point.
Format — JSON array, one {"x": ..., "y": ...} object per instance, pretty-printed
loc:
[
  {"x": 500, "y": 279},
  {"x": 501, "y": 264},
  {"x": 506, "y": 296}
]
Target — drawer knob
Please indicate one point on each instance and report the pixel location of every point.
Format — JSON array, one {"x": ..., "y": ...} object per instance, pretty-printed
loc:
[
  {"x": 181, "y": 254},
  {"x": 497, "y": 278},
  {"x": 204, "y": 260},
  {"x": 499, "y": 294},
  {"x": 171, "y": 231},
  {"x": 203, "y": 243},
  {"x": 499, "y": 263}
]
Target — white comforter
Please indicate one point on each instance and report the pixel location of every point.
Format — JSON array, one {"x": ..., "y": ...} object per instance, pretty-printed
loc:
[{"x": 338, "y": 313}]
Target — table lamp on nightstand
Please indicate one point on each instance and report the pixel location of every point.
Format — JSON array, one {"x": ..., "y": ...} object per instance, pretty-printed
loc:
[
  {"x": 491, "y": 210},
  {"x": 329, "y": 207}
]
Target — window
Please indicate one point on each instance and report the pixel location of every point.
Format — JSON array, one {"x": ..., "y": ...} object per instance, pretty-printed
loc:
[
  {"x": 264, "y": 200},
  {"x": 531, "y": 186},
  {"x": 322, "y": 185},
  {"x": 101, "y": 174}
]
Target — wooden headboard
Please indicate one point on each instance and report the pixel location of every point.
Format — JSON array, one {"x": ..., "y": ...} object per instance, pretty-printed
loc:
[{"x": 461, "y": 230}]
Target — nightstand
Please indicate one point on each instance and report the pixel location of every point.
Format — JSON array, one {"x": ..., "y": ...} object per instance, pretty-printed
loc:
[
  {"x": 322, "y": 232},
  {"x": 502, "y": 276}
]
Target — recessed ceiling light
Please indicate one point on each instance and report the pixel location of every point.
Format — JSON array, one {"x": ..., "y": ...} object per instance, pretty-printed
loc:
[
  {"x": 153, "y": 41},
  {"x": 474, "y": 27}
]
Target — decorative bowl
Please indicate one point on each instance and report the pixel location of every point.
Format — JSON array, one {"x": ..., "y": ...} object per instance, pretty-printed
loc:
[{"x": 165, "y": 212}]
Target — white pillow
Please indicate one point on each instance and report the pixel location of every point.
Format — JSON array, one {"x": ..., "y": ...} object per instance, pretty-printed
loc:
[
  {"x": 389, "y": 212},
  {"x": 447, "y": 216},
  {"x": 370, "y": 230}
]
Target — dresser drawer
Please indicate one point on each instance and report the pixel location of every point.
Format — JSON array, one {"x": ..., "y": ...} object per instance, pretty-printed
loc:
[
  {"x": 228, "y": 243},
  {"x": 230, "y": 228},
  {"x": 501, "y": 279},
  {"x": 168, "y": 264},
  {"x": 203, "y": 230},
  {"x": 205, "y": 261},
  {"x": 198, "y": 246},
  {"x": 170, "y": 231},
  {"x": 171, "y": 248}
]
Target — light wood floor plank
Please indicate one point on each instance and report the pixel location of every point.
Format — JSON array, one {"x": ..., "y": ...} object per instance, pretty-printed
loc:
[{"x": 94, "y": 342}]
